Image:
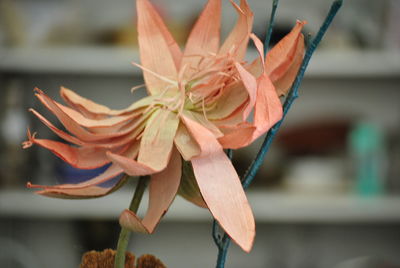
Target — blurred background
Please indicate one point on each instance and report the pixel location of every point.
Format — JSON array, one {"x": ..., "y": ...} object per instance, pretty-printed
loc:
[{"x": 327, "y": 196}]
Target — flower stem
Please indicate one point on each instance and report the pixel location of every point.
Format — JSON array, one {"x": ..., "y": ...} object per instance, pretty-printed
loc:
[
  {"x": 222, "y": 240},
  {"x": 125, "y": 234}
]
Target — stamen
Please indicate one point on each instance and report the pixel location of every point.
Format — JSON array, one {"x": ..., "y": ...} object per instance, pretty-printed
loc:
[
  {"x": 163, "y": 78},
  {"x": 137, "y": 87}
]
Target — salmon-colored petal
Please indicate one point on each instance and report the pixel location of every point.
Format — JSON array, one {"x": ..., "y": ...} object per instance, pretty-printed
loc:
[
  {"x": 201, "y": 119},
  {"x": 184, "y": 142},
  {"x": 93, "y": 110},
  {"x": 203, "y": 137},
  {"x": 87, "y": 107},
  {"x": 129, "y": 220},
  {"x": 280, "y": 58},
  {"x": 203, "y": 40},
  {"x": 158, "y": 138},
  {"x": 78, "y": 157},
  {"x": 65, "y": 136},
  {"x": 83, "y": 193},
  {"x": 162, "y": 191},
  {"x": 106, "y": 123},
  {"x": 155, "y": 53},
  {"x": 128, "y": 164},
  {"x": 267, "y": 112},
  {"x": 259, "y": 46},
  {"x": 231, "y": 99},
  {"x": 188, "y": 187},
  {"x": 284, "y": 83},
  {"x": 224, "y": 195},
  {"x": 110, "y": 173},
  {"x": 238, "y": 137},
  {"x": 110, "y": 144},
  {"x": 238, "y": 38},
  {"x": 250, "y": 84},
  {"x": 70, "y": 124}
]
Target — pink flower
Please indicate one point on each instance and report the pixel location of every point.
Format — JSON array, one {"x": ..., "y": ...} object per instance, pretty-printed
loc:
[{"x": 199, "y": 103}]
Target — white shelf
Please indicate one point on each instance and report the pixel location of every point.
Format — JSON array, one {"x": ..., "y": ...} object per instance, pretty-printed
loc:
[
  {"x": 268, "y": 207},
  {"x": 117, "y": 61}
]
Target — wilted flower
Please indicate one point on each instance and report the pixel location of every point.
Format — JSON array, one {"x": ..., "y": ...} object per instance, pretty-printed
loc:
[{"x": 199, "y": 103}]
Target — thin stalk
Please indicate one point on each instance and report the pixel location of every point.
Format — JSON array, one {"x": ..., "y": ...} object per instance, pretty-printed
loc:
[
  {"x": 270, "y": 26},
  {"x": 222, "y": 240},
  {"x": 125, "y": 234}
]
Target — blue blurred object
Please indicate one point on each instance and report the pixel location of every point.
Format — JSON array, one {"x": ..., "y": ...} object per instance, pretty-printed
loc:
[{"x": 68, "y": 174}]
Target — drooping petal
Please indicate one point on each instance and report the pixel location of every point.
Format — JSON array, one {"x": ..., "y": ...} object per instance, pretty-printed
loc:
[
  {"x": 83, "y": 193},
  {"x": 238, "y": 38},
  {"x": 110, "y": 173},
  {"x": 184, "y": 142},
  {"x": 155, "y": 53},
  {"x": 203, "y": 40},
  {"x": 163, "y": 188},
  {"x": 224, "y": 195},
  {"x": 162, "y": 191},
  {"x": 157, "y": 140},
  {"x": 283, "y": 55},
  {"x": 221, "y": 188}
]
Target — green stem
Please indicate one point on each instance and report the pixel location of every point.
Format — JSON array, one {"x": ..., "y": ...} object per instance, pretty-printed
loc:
[{"x": 125, "y": 234}]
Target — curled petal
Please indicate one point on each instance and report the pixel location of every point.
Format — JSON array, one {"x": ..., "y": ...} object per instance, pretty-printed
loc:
[
  {"x": 284, "y": 83},
  {"x": 203, "y": 137},
  {"x": 284, "y": 55},
  {"x": 267, "y": 112},
  {"x": 163, "y": 188},
  {"x": 250, "y": 84}
]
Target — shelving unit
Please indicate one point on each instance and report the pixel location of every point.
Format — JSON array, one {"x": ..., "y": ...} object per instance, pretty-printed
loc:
[
  {"x": 116, "y": 61},
  {"x": 268, "y": 207}
]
